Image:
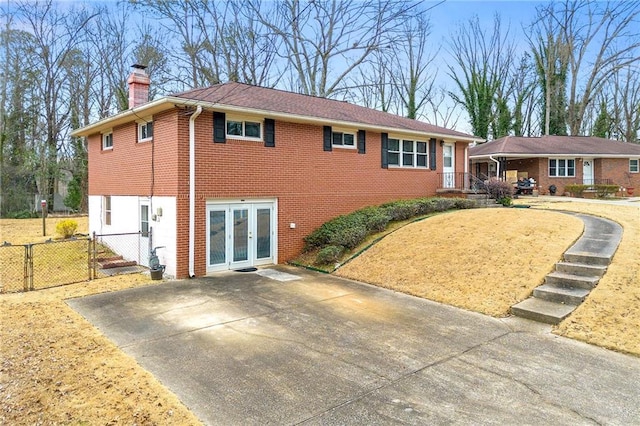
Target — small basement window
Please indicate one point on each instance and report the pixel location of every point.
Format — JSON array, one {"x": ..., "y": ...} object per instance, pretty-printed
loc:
[
  {"x": 145, "y": 131},
  {"x": 107, "y": 141}
]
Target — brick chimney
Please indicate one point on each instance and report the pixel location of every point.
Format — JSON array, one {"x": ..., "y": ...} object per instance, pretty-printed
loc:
[{"x": 138, "y": 82}]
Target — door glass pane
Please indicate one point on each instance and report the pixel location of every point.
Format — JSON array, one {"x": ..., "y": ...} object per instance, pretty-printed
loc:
[
  {"x": 217, "y": 238},
  {"x": 263, "y": 233},
  {"x": 448, "y": 154},
  {"x": 240, "y": 235},
  {"x": 144, "y": 220}
]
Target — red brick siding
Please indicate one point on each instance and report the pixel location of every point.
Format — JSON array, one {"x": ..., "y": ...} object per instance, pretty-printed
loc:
[
  {"x": 126, "y": 169},
  {"x": 311, "y": 185}
]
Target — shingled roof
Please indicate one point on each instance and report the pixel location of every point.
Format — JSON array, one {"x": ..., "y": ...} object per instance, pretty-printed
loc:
[
  {"x": 549, "y": 146},
  {"x": 294, "y": 104}
]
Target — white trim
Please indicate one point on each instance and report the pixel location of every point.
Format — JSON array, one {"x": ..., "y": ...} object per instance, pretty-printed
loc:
[
  {"x": 141, "y": 125},
  {"x": 170, "y": 102},
  {"x": 415, "y": 153},
  {"x": 637, "y": 160},
  {"x": 244, "y": 120},
  {"x": 105, "y": 135},
  {"x": 228, "y": 205}
]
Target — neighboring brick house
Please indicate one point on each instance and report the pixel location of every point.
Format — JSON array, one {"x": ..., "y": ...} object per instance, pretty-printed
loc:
[
  {"x": 233, "y": 175},
  {"x": 559, "y": 160}
]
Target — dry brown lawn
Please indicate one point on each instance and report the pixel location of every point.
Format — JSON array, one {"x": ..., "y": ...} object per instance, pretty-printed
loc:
[
  {"x": 481, "y": 260},
  {"x": 24, "y": 231},
  {"x": 58, "y": 369},
  {"x": 610, "y": 317}
]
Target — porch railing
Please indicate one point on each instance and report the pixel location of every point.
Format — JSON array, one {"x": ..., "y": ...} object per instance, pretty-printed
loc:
[{"x": 460, "y": 181}]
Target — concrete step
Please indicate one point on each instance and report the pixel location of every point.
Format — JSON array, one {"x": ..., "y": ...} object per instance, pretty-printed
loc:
[
  {"x": 587, "y": 258},
  {"x": 581, "y": 269},
  {"x": 569, "y": 280},
  {"x": 566, "y": 295},
  {"x": 542, "y": 310}
]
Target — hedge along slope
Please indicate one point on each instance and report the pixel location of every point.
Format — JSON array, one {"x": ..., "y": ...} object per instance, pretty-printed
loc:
[{"x": 346, "y": 232}]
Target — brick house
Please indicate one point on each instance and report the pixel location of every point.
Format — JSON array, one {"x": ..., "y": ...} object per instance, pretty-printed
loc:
[
  {"x": 559, "y": 161},
  {"x": 234, "y": 175}
]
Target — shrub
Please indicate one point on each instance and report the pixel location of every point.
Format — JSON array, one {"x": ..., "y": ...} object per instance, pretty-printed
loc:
[
  {"x": 505, "y": 201},
  {"x": 400, "y": 210},
  {"x": 347, "y": 231},
  {"x": 498, "y": 189},
  {"x": 464, "y": 203},
  {"x": 329, "y": 254},
  {"x": 603, "y": 191},
  {"x": 374, "y": 219},
  {"x": 576, "y": 189},
  {"x": 67, "y": 228}
]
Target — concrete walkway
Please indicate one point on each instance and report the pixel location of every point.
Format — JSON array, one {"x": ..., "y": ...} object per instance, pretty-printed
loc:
[
  {"x": 290, "y": 346},
  {"x": 585, "y": 262}
]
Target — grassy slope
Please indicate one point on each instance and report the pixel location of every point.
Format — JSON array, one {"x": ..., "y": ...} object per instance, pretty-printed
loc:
[{"x": 482, "y": 260}]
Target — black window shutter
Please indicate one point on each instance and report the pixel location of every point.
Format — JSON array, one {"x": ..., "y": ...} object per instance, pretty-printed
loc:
[
  {"x": 362, "y": 142},
  {"x": 269, "y": 132},
  {"x": 385, "y": 150},
  {"x": 432, "y": 154},
  {"x": 219, "y": 132},
  {"x": 327, "y": 138}
]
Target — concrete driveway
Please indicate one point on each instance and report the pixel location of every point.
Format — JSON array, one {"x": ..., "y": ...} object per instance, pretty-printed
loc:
[{"x": 290, "y": 346}]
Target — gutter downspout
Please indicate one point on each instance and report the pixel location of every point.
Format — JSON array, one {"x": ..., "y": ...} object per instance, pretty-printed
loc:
[
  {"x": 497, "y": 165},
  {"x": 192, "y": 189}
]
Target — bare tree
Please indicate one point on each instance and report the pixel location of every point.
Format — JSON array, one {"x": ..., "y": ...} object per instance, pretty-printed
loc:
[
  {"x": 325, "y": 41},
  {"x": 593, "y": 40},
  {"x": 56, "y": 36},
  {"x": 481, "y": 71},
  {"x": 626, "y": 104},
  {"x": 411, "y": 64},
  {"x": 438, "y": 112}
]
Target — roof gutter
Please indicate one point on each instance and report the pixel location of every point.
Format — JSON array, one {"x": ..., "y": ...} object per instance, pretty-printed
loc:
[
  {"x": 169, "y": 102},
  {"x": 497, "y": 165},
  {"x": 192, "y": 188}
]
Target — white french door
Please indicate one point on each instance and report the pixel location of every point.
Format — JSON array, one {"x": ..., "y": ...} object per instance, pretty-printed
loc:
[{"x": 240, "y": 235}]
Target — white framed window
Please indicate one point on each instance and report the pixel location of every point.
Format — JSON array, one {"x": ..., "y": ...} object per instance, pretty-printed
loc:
[
  {"x": 244, "y": 129},
  {"x": 107, "y": 141},
  {"x": 107, "y": 209},
  {"x": 407, "y": 153},
  {"x": 343, "y": 139},
  {"x": 634, "y": 165},
  {"x": 145, "y": 131},
  {"x": 562, "y": 167}
]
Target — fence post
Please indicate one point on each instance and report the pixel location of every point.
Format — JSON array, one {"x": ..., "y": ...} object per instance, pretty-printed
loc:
[
  {"x": 25, "y": 283},
  {"x": 29, "y": 267},
  {"x": 94, "y": 255},
  {"x": 89, "y": 257}
]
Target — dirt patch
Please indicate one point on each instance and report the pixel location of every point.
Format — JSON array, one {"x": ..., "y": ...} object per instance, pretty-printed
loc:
[
  {"x": 482, "y": 260},
  {"x": 610, "y": 316}
]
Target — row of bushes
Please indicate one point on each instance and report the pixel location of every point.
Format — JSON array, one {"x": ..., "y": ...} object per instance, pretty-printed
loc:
[
  {"x": 348, "y": 231},
  {"x": 602, "y": 190}
]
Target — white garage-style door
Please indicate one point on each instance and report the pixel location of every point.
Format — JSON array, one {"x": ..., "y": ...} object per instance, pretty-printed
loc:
[{"x": 240, "y": 235}]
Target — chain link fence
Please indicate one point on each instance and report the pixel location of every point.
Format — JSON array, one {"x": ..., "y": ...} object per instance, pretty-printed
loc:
[
  {"x": 123, "y": 253},
  {"x": 36, "y": 266}
]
